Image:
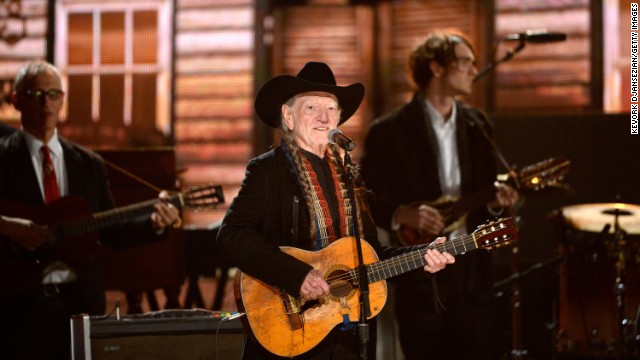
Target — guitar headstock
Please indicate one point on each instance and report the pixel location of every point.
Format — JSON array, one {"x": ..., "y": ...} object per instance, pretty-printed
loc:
[
  {"x": 549, "y": 172},
  {"x": 200, "y": 197},
  {"x": 495, "y": 233}
]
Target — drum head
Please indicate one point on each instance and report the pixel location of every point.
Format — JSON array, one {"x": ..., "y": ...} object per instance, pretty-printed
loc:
[{"x": 594, "y": 217}]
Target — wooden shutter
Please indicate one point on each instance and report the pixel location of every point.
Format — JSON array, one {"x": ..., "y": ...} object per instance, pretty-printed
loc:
[
  {"x": 339, "y": 35},
  {"x": 551, "y": 76},
  {"x": 403, "y": 24},
  {"x": 213, "y": 95}
]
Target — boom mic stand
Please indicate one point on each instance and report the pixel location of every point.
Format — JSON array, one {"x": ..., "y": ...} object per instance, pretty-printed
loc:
[
  {"x": 509, "y": 54},
  {"x": 517, "y": 352},
  {"x": 363, "y": 279}
]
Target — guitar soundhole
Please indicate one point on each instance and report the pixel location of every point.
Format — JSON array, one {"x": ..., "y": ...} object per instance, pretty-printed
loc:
[{"x": 340, "y": 282}]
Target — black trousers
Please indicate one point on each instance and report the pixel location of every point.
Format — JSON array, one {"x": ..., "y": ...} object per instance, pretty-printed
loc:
[
  {"x": 459, "y": 328},
  {"x": 36, "y": 325}
]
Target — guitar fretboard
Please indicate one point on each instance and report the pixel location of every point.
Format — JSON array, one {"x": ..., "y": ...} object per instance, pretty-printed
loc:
[
  {"x": 415, "y": 259},
  {"x": 112, "y": 217}
]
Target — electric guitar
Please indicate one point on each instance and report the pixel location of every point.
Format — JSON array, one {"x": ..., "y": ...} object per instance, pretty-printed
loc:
[
  {"x": 73, "y": 236},
  {"x": 287, "y": 326},
  {"x": 533, "y": 178}
]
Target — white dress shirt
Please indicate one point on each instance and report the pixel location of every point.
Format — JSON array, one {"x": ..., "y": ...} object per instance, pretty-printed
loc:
[{"x": 448, "y": 163}]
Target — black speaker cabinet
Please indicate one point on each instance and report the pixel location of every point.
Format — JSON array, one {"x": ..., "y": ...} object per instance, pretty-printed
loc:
[{"x": 166, "y": 334}]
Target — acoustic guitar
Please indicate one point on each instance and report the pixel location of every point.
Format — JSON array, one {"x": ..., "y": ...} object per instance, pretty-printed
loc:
[
  {"x": 287, "y": 326},
  {"x": 73, "y": 233},
  {"x": 533, "y": 178}
]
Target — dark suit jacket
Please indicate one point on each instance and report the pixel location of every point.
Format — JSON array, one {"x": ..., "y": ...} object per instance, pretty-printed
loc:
[
  {"x": 400, "y": 163},
  {"x": 6, "y": 129},
  {"x": 400, "y": 159},
  {"x": 87, "y": 179}
]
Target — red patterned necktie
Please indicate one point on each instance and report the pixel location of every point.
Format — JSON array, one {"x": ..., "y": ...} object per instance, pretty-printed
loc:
[{"x": 51, "y": 190}]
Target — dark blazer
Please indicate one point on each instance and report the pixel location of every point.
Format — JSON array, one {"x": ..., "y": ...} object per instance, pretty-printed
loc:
[
  {"x": 400, "y": 159},
  {"x": 36, "y": 318},
  {"x": 86, "y": 173},
  {"x": 88, "y": 179},
  {"x": 261, "y": 218},
  {"x": 6, "y": 129},
  {"x": 400, "y": 165}
]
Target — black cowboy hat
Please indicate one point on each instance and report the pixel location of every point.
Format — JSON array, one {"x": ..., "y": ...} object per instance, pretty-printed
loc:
[{"x": 314, "y": 76}]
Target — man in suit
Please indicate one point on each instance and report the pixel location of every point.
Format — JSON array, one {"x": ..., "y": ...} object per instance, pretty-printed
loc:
[
  {"x": 6, "y": 129},
  {"x": 43, "y": 287},
  {"x": 431, "y": 147}
]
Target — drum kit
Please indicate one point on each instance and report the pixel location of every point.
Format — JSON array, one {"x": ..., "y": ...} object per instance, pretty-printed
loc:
[{"x": 600, "y": 281}]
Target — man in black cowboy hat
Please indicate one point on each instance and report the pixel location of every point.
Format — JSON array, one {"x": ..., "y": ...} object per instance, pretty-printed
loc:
[{"x": 295, "y": 195}]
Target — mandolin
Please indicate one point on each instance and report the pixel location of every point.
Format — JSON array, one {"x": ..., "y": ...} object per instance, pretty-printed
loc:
[{"x": 533, "y": 178}]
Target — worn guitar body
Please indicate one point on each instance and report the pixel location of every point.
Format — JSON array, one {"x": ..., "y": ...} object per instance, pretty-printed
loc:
[
  {"x": 275, "y": 318},
  {"x": 285, "y": 326}
]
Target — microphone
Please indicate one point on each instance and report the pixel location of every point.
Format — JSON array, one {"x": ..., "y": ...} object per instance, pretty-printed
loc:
[
  {"x": 538, "y": 36},
  {"x": 337, "y": 137}
]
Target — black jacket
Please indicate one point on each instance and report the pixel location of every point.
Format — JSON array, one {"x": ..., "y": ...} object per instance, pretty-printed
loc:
[
  {"x": 87, "y": 180},
  {"x": 261, "y": 219},
  {"x": 400, "y": 165},
  {"x": 400, "y": 159}
]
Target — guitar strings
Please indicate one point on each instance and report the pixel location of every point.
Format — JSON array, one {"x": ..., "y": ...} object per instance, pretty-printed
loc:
[
  {"x": 466, "y": 242},
  {"x": 410, "y": 256}
]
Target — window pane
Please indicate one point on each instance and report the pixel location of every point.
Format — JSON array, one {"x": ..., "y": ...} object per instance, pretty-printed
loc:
[
  {"x": 112, "y": 39},
  {"x": 80, "y": 39},
  {"x": 145, "y": 36},
  {"x": 79, "y": 99},
  {"x": 144, "y": 101},
  {"x": 111, "y": 99}
]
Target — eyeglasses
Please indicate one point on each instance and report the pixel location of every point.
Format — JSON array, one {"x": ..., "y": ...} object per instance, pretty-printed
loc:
[
  {"x": 465, "y": 63},
  {"x": 52, "y": 94}
]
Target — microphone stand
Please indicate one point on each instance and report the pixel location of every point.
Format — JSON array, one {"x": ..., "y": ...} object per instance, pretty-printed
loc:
[
  {"x": 506, "y": 57},
  {"x": 363, "y": 279},
  {"x": 517, "y": 352}
]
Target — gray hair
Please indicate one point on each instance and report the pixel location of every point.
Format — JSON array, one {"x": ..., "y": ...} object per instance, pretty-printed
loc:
[{"x": 30, "y": 71}]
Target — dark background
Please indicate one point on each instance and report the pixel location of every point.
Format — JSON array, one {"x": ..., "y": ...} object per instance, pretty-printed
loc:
[{"x": 605, "y": 167}]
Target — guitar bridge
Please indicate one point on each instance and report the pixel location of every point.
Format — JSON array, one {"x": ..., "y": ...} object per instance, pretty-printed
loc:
[{"x": 293, "y": 309}]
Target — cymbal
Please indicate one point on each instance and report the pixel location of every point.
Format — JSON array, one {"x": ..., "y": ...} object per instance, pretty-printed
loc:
[{"x": 594, "y": 217}]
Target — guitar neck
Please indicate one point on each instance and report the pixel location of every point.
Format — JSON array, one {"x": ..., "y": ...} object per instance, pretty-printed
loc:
[
  {"x": 412, "y": 260},
  {"x": 114, "y": 216}
]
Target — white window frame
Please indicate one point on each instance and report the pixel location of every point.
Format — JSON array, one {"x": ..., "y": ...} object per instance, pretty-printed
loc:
[{"x": 164, "y": 9}]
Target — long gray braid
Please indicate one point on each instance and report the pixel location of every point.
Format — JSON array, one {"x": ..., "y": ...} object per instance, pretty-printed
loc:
[{"x": 287, "y": 137}]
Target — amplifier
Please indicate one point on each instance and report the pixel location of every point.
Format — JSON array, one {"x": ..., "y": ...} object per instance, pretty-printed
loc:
[{"x": 166, "y": 334}]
